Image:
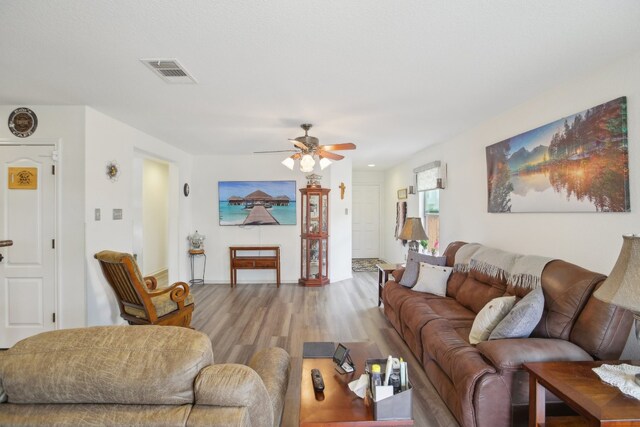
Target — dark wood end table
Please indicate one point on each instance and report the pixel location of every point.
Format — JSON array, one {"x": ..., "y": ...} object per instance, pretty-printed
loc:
[
  {"x": 338, "y": 406},
  {"x": 383, "y": 275},
  {"x": 598, "y": 403}
]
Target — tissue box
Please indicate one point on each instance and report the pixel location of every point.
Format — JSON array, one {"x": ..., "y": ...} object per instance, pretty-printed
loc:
[{"x": 395, "y": 407}]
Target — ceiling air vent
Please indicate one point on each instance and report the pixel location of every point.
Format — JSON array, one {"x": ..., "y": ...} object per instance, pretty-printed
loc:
[{"x": 169, "y": 70}]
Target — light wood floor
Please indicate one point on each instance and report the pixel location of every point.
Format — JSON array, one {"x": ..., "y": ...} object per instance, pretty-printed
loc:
[{"x": 244, "y": 319}]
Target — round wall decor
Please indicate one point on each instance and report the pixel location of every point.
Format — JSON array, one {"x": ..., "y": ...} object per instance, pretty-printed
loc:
[
  {"x": 112, "y": 171},
  {"x": 185, "y": 190},
  {"x": 23, "y": 122}
]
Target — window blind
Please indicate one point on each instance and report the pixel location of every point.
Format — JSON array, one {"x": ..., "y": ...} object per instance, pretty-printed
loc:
[{"x": 430, "y": 176}]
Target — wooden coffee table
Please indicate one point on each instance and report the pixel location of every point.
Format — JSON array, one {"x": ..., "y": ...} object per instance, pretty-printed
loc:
[
  {"x": 598, "y": 403},
  {"x": 337, "y": 405}
]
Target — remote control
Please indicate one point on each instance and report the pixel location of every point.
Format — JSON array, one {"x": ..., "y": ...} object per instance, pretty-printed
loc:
[{"x": 316, "y": 378}]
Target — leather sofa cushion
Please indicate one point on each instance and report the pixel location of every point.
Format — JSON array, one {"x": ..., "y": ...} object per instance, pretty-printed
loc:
[
  {"x": 474, "y": 294},
  {"x": 162, "y": 303},
  {"x": 602, "y": 329},
  {"x": 512, "y": 353},
  {"x": 567, "y": 288},
  {"x": 109, "y": 365}
]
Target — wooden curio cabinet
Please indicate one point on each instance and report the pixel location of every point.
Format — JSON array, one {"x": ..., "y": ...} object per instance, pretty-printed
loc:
[{"x": 314, "y": 237}]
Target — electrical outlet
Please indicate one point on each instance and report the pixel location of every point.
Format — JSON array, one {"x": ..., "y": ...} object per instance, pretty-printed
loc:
[
  {"x": 117, "y": 214},
  {"x": 346, "y": 211},
  {"x": 97, "y": 214}
]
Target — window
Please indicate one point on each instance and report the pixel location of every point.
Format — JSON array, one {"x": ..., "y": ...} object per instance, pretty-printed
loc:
[
  {"x": 429, "y": 180},
  {"x": 430, "y": 214}
]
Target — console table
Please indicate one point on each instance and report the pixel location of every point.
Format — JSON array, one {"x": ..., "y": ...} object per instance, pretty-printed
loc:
[{"x": 254, "y": 262}]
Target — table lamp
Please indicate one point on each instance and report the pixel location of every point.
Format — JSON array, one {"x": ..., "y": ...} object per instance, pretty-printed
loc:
[
  {"x": 413, "y": 232},
  {"x": 622, "y": 287}
]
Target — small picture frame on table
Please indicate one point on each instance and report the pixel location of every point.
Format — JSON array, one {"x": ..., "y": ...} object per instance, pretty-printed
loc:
[{"x": 402, "y": 194}]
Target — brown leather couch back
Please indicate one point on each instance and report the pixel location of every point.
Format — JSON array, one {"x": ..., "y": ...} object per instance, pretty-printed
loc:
[{"x": 571, "y": 312}]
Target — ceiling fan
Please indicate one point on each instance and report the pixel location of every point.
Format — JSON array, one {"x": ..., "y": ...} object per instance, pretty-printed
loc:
[{"x": 308, "y": 147}]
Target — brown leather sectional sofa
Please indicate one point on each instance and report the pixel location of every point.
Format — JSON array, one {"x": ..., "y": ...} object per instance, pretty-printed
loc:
[{"x": 484, "y": 384}]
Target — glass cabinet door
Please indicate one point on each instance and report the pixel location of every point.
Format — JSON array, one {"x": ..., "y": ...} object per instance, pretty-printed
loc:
[
  {"x": 325, "y": 214},
  {"x": 314, "y": 213},
  {"x": 314, "y": 251}
]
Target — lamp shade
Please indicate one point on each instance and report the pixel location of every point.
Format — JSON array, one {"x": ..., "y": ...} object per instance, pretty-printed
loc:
[
  {"x": 307, "y": 163},
  {"x": 288, "y": 162},
  {"x": 622, "y": 287},
  {"x": 413, "y": 230}
]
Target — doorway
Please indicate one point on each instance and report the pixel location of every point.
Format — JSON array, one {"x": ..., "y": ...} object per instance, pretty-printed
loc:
[
  {"x": 366, "y": 221},
  {"x": 28, "y": 290},
  {"x": 151, "y": 218}
]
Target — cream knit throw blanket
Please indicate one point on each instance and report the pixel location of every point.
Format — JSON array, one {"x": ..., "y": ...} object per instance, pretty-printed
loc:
[
  {"x": 519, "y": 270},
  {"x": 621, "y": 376}
]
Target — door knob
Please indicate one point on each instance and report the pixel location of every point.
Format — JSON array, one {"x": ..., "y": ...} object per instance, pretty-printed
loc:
[{"x": 1, "y": 257}]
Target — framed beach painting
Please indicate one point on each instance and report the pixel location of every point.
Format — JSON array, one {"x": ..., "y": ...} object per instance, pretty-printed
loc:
[
  {"x": 576, "y": 164},
  {"x": 257, "y": 202}
]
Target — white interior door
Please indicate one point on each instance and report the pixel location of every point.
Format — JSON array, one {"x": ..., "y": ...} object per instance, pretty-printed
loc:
[
  {"x": 27, "y": 216},
  {"x": 366, "y": 221}
]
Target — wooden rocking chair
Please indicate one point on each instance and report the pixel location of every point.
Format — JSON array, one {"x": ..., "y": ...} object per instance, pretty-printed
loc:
[{"x": 139, "y": 300}]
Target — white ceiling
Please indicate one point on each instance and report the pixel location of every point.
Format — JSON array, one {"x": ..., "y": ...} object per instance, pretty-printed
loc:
[{"x": 391, "y": 76}]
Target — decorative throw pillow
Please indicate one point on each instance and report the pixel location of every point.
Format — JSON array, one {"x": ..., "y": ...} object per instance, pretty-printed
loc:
[
  {"x": 412, "y": 269},
  {"x": 432, "y": 279},
  {"x": 523, "y": 317},
  {"x": 489, "y": 317}
]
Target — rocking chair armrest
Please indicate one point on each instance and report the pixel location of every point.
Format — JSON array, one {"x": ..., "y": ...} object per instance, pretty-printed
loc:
[
  {"x": 151, "y": 282},
  {"x": 179, "y": 291}
]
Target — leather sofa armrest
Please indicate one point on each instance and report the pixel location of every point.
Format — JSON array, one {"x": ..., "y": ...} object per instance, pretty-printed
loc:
[
  {"x": 397, "y": 274},
  {"x": 235, "y": 385},
  {"x": 512, "y": 353},
  {"x": 273, "y": 366}
]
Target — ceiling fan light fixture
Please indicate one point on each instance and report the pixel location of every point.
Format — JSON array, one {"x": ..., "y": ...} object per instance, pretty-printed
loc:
[
  {"x": 324, "y": 162},
  {"x": 288, "y": 162},
  {"x": 307, "y": 163}
]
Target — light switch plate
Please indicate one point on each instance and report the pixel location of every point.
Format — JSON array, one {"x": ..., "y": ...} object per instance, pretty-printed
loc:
[
  {"x": 97, "y": 214},
  {"x": 117, "y": 214}
]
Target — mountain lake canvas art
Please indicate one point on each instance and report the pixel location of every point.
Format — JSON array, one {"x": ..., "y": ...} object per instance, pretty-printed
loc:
[
  {"x": 257, "y": 202},
  {"x": 576, "y": 164}
]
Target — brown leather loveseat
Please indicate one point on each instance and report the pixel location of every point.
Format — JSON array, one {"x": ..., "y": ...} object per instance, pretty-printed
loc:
[{"x": 483, "y": 384}]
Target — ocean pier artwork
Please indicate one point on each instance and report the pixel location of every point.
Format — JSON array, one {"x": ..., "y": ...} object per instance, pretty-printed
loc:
[
  {"x": 575, "y": 164},
  {"x": 257, "y": 202}
]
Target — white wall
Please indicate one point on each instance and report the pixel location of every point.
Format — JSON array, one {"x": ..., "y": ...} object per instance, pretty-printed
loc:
[
  {"x": 340, "y": 220},
  {"x": 64, "y": 126},
  {"x": 155, "y": 204},
  {"x": 208, "y": 170},
  {"x": 590, "y": 240},
  {"x": 108, "y": 139}
]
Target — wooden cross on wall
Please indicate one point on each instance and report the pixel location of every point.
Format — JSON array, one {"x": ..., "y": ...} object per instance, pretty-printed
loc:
[{"x": 342, "y": 188}]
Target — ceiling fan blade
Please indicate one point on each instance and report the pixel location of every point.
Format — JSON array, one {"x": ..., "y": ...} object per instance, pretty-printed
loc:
[
  {"x": 275, "y": 151},
  {"x": 299, "y": 144},
  {"x": 330, "y": 155},
  {"x": 345, "y": 146}
]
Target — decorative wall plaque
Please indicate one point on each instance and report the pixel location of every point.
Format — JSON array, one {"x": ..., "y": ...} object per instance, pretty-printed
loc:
[
  {"x": 23, "y": 178},
  {"x": 23, "y": 122}
]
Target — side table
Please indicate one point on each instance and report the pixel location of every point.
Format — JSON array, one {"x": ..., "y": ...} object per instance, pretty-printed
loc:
[
  {"x": 598, "y": 403},
  {"x": 193, "y": 254},
  {"x": 383, "y": 275}
]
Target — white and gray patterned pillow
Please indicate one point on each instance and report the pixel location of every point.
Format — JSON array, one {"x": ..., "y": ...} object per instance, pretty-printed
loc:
[
  {"x": 410, "y": 275},
  {"x": 523, "y": 317}
]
